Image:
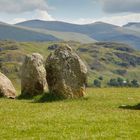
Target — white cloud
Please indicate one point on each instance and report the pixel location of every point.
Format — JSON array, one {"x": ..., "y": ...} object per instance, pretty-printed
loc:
[
  {"x": 23, "y": 10},
  {"x": 83, "y": 21},
  {"x": 119, "y": 6},
  {"x": 116, "y": 20},
  {"x": 38, "y": 14},
  {"x": 43, "y": 15},
  {"x": 14, "y": 6}
]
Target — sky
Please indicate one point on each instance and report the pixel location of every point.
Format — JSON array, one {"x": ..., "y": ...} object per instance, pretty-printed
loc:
[{"x": 118, "y": 12}]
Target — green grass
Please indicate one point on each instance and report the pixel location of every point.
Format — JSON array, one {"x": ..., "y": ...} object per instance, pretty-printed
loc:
[{"x": 96, "y": 117}]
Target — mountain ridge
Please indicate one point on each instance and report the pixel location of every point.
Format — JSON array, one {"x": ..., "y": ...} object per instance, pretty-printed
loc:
[
  {"x": 12, "y": 32},
  {"x": 22, "y": 33},
  {"x": 131, "y": 24},
  {"x": 99, "y": 31},
  {"x": 41, "y": 30},
  {"x": 135, "y": 26}
]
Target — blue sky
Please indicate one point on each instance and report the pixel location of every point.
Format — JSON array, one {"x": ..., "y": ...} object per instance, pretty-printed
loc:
[
  {"x": 74, "y": 11},
  {"x": 75, "y": 8}
]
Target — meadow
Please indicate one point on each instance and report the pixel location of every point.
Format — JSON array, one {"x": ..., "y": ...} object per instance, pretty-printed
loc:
[{"x": 104, "y": 114}]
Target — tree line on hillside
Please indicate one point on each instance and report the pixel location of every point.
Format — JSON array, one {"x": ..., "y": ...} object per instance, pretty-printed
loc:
[{"x": 116, "y": 82}]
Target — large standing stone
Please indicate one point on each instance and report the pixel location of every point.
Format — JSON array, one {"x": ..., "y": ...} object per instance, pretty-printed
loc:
[
  {"x": 6, "y": 87},
  {"x": 33, "y": 75},
  {"x": 66, "y": 73}
]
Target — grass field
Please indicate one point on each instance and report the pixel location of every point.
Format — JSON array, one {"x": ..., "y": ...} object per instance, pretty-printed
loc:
[{"x": 105, "y": 114}]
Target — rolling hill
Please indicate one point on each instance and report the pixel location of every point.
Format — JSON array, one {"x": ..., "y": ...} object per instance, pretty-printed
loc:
[
  {"x": 65, "y": 36},
  {"x": 69, "y": 36},
  {"x": 19, "y": 33},
  {"x": 106, "y": 59},
  {"x": 37, "y": 30},
  {"x": 98, "y": 31},
  {"x": 11, "y": 32},
  {"x": 68, "y": 27},
  {"x": 133, "y": 26}
]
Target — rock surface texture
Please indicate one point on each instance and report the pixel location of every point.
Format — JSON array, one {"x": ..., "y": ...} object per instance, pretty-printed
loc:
[
  {"x": 6, "y": 87},
  {"x": 66, "y": 73},
  {"x": 33, "y": 75}
]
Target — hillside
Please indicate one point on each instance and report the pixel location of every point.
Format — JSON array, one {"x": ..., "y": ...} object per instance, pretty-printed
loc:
[
  {"x": 69, "y": 36},
  {"x": 18, "y": 33},
  {"x": 68, "y": 27},
  {"x": 65, "y": 36},
  {"x": 99, "y": 31},
  {"x": 11, "y": 32},
  {"x": 109, "y": 60},
  {"x": 133, "y": 26}
]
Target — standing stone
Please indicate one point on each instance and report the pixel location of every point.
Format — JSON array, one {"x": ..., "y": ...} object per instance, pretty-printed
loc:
[
  {"x": 66, "y": 73},
  {"x": 33, "y": 75},
  {"x": 6, "y": 87}
]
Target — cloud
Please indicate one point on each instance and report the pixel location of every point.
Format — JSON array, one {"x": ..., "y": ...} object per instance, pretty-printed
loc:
[
  {"x": 43, "y": 15},
  {"x": 20, "y": 6},
  {"x": 38, "y": 14},
  {"x": 116, "y": 20},
  {"x": 23, "y": 10},
  {"x": 119, "y": 6}
]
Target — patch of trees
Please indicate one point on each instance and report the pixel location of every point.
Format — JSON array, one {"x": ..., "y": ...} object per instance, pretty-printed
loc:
[
  {"x": 97, "y": 82},
  {"x": 120, "y": 82},
  {"x": 116, "y": 82}
]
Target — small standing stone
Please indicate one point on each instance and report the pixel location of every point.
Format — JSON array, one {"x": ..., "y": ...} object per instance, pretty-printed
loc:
[
  {"x": 33, "y": 75},
  {"x": 6, "y": 87}
]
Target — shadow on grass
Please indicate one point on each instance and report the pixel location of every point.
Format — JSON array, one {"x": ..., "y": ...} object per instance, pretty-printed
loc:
[
  {"x": 47, "y": 97},
  {"x": 52, "y": 97},
  {"x": 24, "y": 97},
  {"x": 135, "y": 107}
]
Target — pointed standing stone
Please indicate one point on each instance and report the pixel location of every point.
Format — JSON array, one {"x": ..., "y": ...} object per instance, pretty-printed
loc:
[{"x": 66, "y": 73}]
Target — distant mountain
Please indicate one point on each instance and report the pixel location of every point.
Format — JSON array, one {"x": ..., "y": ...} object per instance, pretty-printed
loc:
[
  {"x": 99, "y": 31},
  {"x": 37, "y": 30},
  {"x": 136, "y": 24},
  {"x": 133, "y": 26},
  {"x": 68, "y": 27},
  {"x": 62, "y": 30},
  {"x": 11, "y": 32},
  {"x": 22, "y": 33}
]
